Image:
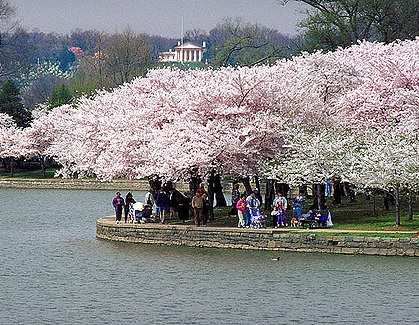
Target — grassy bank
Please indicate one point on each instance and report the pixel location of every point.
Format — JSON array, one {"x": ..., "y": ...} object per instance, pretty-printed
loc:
[
  {"x": 27, "y": 174},
  {"x": 357, "y": 217}
]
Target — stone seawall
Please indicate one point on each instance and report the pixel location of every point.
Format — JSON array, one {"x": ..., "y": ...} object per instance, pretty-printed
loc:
[{"x": 266, "y": 239}]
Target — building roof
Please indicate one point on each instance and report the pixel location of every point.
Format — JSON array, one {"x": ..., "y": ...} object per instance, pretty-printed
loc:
[{"x": 188, "y": 45}]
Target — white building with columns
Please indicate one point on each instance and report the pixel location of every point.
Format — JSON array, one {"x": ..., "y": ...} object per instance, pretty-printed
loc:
[{"x": 187, "y": 52}]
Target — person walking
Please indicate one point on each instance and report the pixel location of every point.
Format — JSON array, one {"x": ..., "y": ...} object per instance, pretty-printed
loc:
[
  {"x": 198, "y": 206},
  {"x": 118, "y": 203}
]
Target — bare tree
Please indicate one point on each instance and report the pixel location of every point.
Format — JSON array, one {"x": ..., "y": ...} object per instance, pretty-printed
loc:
[
  {"x": 236, "y": 42},
  {"x": 341, "y": 23}
]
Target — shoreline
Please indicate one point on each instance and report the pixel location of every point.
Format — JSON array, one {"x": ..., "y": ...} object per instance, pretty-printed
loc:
[
  {"x": 76, "y": 184},
  {"x": 281, "y": 239}
]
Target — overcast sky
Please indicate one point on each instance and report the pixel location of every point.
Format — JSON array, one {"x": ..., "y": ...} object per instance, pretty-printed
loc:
[{"x": 154, "y": 17}]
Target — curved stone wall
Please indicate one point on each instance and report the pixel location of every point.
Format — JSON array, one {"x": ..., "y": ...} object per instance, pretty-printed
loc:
[{"x": 267, "y": 239}]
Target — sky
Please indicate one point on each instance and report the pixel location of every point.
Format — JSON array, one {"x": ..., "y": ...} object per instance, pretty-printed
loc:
[{"x": 154, "y": 17}]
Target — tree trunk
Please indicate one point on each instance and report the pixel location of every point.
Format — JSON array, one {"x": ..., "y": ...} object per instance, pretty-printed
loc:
[
  {"x": 284, "y": 189},
  {"x": 319, "y": 201},
  {"x": 211, "y": 194},
  {"x": 374, "y": 210},
  {"x": 42, "y": 162},
  {"x": 351, "y": 193},
  {"x": 410, "y": 205},
  {"x": 246, "y": 183},
  {"x": 387, "y": 201},
  {"x": 302, "y": 189},
  {"x": 269, "y": 193},
  {"x": 396, "y": 197},
  {"x": 12, "y": 165},
  {"x": 258, "y": 194},
  {"x": 337, "y": 194},
  {"x": 218, "y": 190},
  {"x": 194, "y": 184}
]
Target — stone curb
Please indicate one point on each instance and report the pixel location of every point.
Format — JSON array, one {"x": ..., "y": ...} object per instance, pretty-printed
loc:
[{"x": 262, "y": 239}]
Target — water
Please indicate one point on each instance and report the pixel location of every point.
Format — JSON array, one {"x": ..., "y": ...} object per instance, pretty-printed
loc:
[{"x": 54, "y": 271}]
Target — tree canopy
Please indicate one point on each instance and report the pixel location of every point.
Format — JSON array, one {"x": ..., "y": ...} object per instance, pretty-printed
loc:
[
  {"x": 11, "y": 104},
  {"x": 341, "y": 23},
  {"x": 352, "y": 113}
]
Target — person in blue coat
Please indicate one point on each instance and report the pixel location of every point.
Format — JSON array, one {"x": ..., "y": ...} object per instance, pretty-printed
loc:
[
  {"x": 298, "y": 205},
  {"x": 162, "y": 202},
  {"x": 252, "y": 207}
]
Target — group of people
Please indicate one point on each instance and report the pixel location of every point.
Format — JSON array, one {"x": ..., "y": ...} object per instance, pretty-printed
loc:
[
  {"x": 121, "y": 205},
  {"x": 172, "y": 202},
  {"x": 166, "y": 203},
  {"x": 134, "y": 211},
  {"x": 250, "y": 214},
  {"x": 247, "y": 208},
  {"x": 279, "y": 208}
]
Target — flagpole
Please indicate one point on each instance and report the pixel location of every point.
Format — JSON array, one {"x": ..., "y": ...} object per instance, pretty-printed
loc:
[{"x": 181, "y": 42}]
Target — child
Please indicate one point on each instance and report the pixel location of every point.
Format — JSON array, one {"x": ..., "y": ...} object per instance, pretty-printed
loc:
[
  {"x": 262, "y": 220},
  {"x": 280, "y": 212},
  {"x": 241, "y": 210},
  {"x": 274, "y": 215}
]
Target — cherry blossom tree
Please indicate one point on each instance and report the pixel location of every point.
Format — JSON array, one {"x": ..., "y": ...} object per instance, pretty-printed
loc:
[
  {"x": 376, "y": 109},
  {"x": 10, "y": 141},
  {"x": 300, "y": 120}
]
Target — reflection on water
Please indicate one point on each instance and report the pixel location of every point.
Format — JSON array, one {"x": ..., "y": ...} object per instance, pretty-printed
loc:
[{"x": 54, "y": 270}]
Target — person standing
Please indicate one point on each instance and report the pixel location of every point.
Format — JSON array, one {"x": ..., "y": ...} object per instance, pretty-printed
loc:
[
  {"x": 150, "y": 200},
  {"x": 279, "y": 200},
  {"x": 173, "y": 204},
  {"x": 197, "y": 206},
  {"x": 129, "y": 202},
  {"x": 252, "y": 207},
  {"x": 118, "y": 203},
  {"x": 280, "y": 216},
  {"x": 235, "y": 197},
  {"x": 298, "y": 205},
  {"x": 162, "y": 202},
  {"x": 241, "y": 211}
]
